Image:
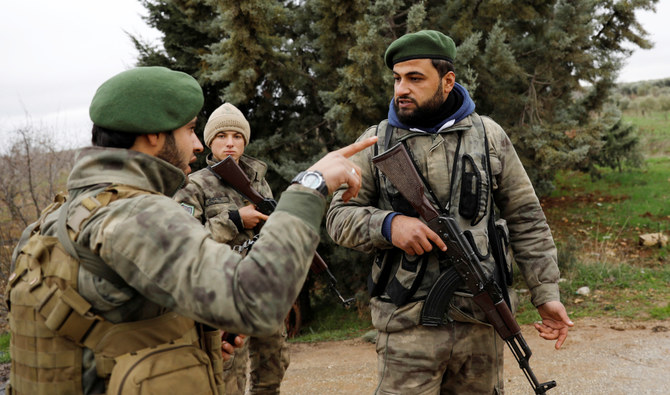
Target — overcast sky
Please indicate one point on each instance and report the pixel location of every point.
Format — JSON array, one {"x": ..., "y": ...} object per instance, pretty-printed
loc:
[{"x": 56, "y": 54}]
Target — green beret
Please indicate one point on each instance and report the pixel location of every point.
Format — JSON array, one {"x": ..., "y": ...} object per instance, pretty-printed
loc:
[
  {"x": 146, "y": 100},
  {"x": 425, "y": 44}
]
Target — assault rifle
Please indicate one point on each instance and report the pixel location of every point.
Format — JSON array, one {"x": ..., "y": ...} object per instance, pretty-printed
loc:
[
  {"x": 465, "y": 267},
  {"x": 229, "y": 171}
]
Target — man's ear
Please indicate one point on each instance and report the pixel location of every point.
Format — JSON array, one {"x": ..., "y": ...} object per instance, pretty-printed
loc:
[
  {"x": 448, "y": 81},
  {"x": 149, "y": 143},
  {"x": 154, "y": 139}
]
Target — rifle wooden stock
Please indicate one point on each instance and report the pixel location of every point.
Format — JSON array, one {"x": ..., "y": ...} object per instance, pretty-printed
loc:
[
  {"x": 231, "y": 173},
  {"x": 397, "y": 167}
]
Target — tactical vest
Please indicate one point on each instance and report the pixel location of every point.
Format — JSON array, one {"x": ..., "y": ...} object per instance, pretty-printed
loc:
[
  {"x": 400, "y": 278},
  {"x": 51, "y": 323}
]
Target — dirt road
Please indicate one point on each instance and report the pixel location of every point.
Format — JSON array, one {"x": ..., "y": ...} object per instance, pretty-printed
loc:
[{"x": 607, "y": 356}]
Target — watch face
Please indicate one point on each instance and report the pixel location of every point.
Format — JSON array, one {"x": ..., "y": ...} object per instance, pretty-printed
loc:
[{"x": 311, "y": 180}]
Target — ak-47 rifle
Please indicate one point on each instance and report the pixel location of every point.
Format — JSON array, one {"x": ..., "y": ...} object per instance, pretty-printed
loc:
[
  {"x": 398, "y": 167},
  {"x": 229, "y": 171}
]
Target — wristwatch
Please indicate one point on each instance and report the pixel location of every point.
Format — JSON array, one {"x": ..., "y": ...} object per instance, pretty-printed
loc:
[{"x": 312, "y": 179}]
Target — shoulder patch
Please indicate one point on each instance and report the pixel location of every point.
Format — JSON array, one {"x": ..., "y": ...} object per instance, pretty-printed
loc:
[{"x": 189, "y": 209}]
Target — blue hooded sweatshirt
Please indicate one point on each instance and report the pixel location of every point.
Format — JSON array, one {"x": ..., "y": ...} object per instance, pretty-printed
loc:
[{"x": 467, "y": 107}]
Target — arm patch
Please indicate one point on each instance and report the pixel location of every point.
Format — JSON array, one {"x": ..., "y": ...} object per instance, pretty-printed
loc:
[{"x": 189, "y": 208}]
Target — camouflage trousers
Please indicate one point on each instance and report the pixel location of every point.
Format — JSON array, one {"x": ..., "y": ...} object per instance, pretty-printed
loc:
[
  {"x": 458, "y": 358},
  {"x": 266, "y": 359}
]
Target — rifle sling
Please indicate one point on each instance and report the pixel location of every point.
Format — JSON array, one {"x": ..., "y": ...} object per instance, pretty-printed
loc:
[{"x": 501, "y": 274}]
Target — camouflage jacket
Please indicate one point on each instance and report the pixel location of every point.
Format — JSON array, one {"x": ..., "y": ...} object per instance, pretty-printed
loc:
[
  {"x": 212, "y": 202},
  {"x": 170, "y": 261},
  {"x": 358, "y": 223}
]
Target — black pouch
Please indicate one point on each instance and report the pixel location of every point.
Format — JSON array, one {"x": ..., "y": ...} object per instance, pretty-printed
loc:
[
  {"x": 379, "y": 274},
  {"x": 474, "y": 191},
  {"x": 500, "y": 247},
  {"x": 407, "y": 278}
]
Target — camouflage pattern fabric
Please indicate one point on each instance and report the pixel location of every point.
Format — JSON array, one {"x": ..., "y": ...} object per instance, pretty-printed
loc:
[
  {"x": 268, "y": 360},
  {"x": 358, "y": 223},
  {"x": 470, "y": 355},
  {"x": 265, "y": 358},
  {"x": 210, "y": 201},
  {"x": 207, "y": 199},
  {"x": 235, "y": 371},
  {"x": 170, "y": 261}
]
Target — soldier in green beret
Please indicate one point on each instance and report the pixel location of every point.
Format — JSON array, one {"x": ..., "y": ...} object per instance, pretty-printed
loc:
[
  {"x": 453, "y": 148},
  {"x": 116, "y": 289},
  {"x": 233, "y": 220}
]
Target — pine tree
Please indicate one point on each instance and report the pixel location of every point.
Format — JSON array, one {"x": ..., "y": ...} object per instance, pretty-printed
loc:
[
  {"x": 619, "y": 142},
  {"x": 185, "y": 39},
  {"x": 542, "y": 69},
  {"x": 309, "y": 75}
]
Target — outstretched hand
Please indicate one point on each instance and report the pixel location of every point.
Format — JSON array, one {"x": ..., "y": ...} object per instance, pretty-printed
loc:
[
  {"x": 555, "y": 322},
  {"x": 337, "y": 169}
]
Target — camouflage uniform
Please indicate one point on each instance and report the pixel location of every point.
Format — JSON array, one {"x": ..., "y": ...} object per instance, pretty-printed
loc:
[
  {"x": 464, "y": 355},
  {"x": 171, "y": 263},
  {"x": 210, "y": 201}
]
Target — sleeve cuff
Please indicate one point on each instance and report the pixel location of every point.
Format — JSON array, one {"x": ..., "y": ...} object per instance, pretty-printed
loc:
[
  {"x": 386, "y": 226},
  {"x": 237, "y": 220},
  {"x": 305, "y": 203},
  {"x": 544, "y": 293}
]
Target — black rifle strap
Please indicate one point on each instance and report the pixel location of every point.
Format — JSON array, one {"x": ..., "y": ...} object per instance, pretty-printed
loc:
[
  {"x": 494, "y": 238},
  {"x": 378, "y": 288}
]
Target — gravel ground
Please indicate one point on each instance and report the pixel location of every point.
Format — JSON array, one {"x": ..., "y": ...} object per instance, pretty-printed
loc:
[{"x": 601, "y": 356}]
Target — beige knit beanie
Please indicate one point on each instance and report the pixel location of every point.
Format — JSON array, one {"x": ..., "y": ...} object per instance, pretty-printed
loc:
[{"x": 226, "y": 117}]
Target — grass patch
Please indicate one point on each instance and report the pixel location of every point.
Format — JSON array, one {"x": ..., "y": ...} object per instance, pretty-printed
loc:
[
  {"x": 615, "y": 290},
  {"x": 618, "y": 290},
  {"x": 333, "y": 322},
  {"x": 4, "y": 348},
  {"x": 628, "y": 200},
  {"x": 653, "y": 129}
]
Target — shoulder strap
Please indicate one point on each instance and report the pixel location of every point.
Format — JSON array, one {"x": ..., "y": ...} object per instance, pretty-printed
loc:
[
  {"x": 386, "y": 136},
  {"x": 90, "y": 261},
  {"x": 85, "y": 256},
  {"x": 502, "y": 274}
]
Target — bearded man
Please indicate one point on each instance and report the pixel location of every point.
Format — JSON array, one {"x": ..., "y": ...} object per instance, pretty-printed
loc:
[{"x": 467, "y": 163}]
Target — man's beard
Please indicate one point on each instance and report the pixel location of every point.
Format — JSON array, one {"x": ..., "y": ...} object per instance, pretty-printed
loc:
[
  {"x": 171, "y": 154},
  {"x": 421, "y": 113}
]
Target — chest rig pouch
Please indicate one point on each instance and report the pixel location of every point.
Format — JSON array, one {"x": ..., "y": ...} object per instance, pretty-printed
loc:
[
  {"x": 395, "y": 275},
  {"x": 51, "y": 323}
]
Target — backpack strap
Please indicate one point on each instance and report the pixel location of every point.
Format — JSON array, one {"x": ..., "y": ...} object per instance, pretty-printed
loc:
[
  {"x": 90, "y": 261},
  {"x": 85, "y": 210}
]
